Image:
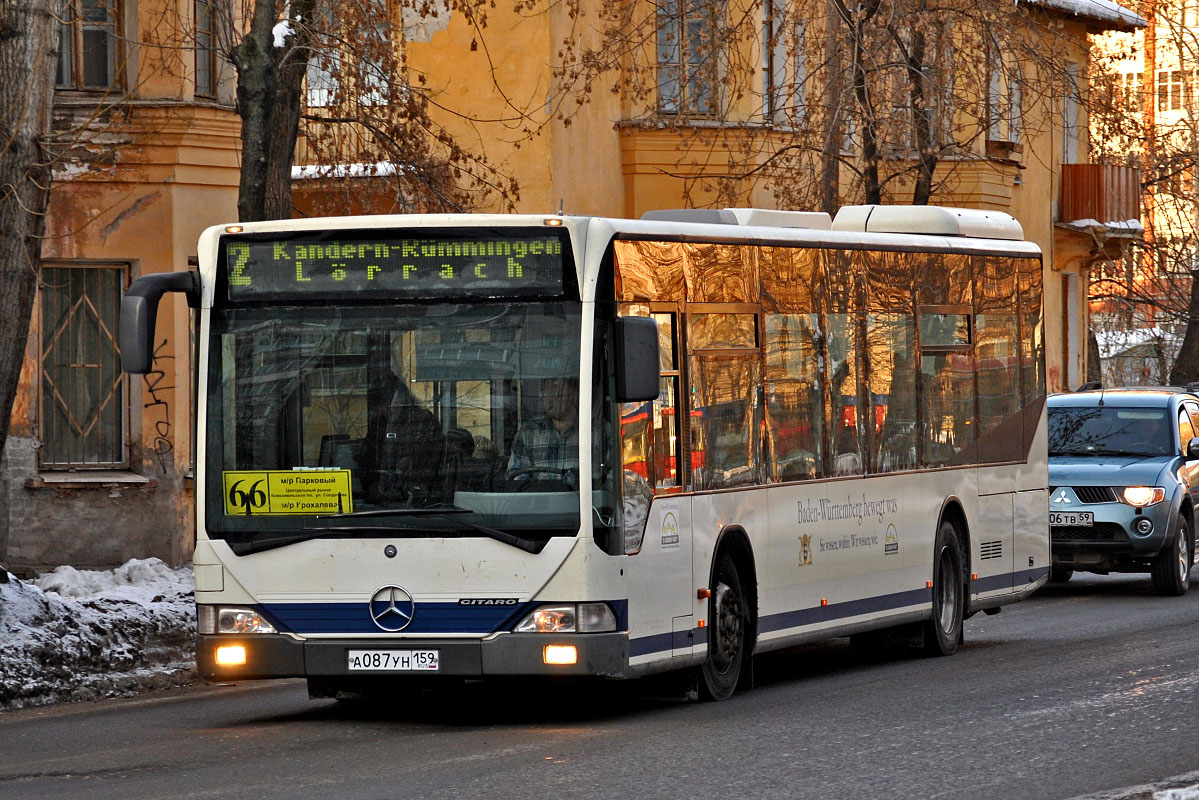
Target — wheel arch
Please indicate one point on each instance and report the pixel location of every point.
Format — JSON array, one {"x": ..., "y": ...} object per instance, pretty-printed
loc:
[
  {"x": 1187, "y": 511},
  {"x": 735, "y": 541},
  {"x": 953, "y": 511}
]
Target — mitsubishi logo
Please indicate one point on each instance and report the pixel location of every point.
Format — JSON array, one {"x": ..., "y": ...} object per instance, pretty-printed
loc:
[
  {"x": 392, "y": 608},
  {"x": 1061, "y": 498}
]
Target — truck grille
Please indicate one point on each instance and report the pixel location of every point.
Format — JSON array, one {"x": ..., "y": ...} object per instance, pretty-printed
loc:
[
  {"x": 1099, "y": 532},
  {"x": 1091, "y": 494}
]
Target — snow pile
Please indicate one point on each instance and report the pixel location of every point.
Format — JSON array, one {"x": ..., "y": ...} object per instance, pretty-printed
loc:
[
  {"x": 76, "y": 634},
  {"x": 1183, "y": 793}
]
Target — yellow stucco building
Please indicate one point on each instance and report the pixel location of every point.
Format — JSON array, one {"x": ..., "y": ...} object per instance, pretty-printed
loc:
[{"x": 690, "y": 111}]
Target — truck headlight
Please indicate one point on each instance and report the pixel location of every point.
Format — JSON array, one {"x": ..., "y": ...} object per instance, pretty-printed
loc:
[
  {"x": 569, "y": 618},
  {"x": 1141, "y": 496},
  {"x": 231, "y": 619}
]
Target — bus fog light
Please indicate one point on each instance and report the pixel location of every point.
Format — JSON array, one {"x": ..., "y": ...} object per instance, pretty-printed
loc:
[
  {"x": 560, "y": 654},
  {"x": 242, "y": 620},
  {"x": 596, "y": 618},
  {"x": 549, "y": 619},
  {"x": 231, "y": 655}
]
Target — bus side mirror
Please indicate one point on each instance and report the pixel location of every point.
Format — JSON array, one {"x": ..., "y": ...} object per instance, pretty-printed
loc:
[
  {"x": 139, "y": 312},
  {"x": 637, "y": 364}
]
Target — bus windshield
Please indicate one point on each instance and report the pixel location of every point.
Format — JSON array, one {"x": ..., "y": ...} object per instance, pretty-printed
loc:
[{"x": 398, "y": 420}]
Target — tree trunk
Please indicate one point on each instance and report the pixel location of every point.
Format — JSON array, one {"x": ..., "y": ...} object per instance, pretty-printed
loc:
[
  {"x": 269, "y": 84},
  {"x": 923, "y": 121},
  {"x": 1186, "y": 366},
  {"x": 855, "y": 20},
  {"x": 830, "y": 161},
  {"x": 28, "y": 59}
]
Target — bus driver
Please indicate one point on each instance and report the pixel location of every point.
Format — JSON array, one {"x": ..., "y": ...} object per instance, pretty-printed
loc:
[{"x": 551, "y": 442}]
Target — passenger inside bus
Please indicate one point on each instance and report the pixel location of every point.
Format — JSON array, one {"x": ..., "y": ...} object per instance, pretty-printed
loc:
[{"x": 412, "y": 450}]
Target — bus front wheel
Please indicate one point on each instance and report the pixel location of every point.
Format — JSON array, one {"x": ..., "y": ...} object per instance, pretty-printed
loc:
[
  {"x": 729, "y": 622},
  {"x": 943, "y": 631}
]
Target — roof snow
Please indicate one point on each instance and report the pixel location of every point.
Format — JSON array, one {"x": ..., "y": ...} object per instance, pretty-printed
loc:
[
  {"x": 1105, "y": 11},
  {"x": 1126, "y": 227}
]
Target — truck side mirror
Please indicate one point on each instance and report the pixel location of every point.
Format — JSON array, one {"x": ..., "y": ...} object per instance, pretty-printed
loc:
[
  {"x": 638, "y": 370},
  {"x": 139, "y": 313},
  {"x": 1193, "y": 450}
]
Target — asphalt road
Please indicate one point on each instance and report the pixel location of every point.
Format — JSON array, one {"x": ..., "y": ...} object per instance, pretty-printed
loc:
[{"x": 1085, "y": 687}]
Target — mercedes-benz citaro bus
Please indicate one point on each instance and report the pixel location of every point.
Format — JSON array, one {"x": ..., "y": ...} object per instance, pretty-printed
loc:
[{"x": 484, "y": 445}]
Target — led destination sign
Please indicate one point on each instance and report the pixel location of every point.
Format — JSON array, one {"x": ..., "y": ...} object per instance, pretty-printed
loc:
[{"x": 494, "y": 263}]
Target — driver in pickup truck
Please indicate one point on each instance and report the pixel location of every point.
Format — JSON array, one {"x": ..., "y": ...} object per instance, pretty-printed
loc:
[{"x": 550, "y": 442}]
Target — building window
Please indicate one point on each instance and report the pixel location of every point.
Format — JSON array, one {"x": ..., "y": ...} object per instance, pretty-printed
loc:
[
  {"x": 87, "y": 56},
  {"x": 1071, "y": 123},
  {"x": 1128, "y": 89},
  {"x": 784, "y": 66},
  {"x": 363, "y": 73},
  {"x": 774, "y": 60},
  {"x": 1169, "y": 90},
  {"x": 1004, "y": 97},
  {"x": 687, "y": 57},
  {"x": 83, "y": 405},
  {"x": 206, "y": 74}
]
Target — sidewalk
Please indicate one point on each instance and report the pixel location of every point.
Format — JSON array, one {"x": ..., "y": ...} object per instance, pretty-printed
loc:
[{"x": 80, "y": 634}]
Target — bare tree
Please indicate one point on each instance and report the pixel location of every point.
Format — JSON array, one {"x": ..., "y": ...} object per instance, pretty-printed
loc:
[
  {"x": 29, "y": 31},
  {"x": 328, "y": 79},
  {"x": 861, "y": 101},
  {"x": 1147, "y": 117}
]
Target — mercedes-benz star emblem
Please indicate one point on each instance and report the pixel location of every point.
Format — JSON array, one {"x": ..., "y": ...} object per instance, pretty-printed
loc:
[
  {"x": 1061, "y": 498},
  {"x": 392, "y": 608}
]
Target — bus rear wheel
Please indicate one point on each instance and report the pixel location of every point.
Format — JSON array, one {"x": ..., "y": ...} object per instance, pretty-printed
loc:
[
  {"x": 729, "y": 622},
  {"x": 943, "y": 631}
]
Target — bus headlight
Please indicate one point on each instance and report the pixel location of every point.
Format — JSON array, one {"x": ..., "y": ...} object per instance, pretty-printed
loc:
[
  {"x": 231, "y": 619},
  {"x": 1141, "y": 496},
  {"x": 569, "y": 618}
]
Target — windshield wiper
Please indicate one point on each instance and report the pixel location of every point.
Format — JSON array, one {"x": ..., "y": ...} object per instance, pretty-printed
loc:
[
  {"x": 304, "y": 535},
  {"x": 399, "y": 512},
  {"x": 1099, "y": 451},
  {"x": 257, "y": 546}
]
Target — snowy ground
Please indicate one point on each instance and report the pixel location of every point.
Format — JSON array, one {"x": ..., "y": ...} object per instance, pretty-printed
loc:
[{"x": 79, "y": 634}]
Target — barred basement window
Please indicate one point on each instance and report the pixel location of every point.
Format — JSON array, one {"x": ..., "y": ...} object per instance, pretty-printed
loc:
[{"x": 83, "y": 390}]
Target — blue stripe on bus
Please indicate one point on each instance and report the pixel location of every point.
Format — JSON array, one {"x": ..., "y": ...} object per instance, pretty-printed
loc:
[
  {"x": 355, "y": 617},
  {"x": 850, "y": 608},
  {"x": 352, "y": 618},
  {"x": 1015, "y": 580},
  {"x": 664, "y": 642}
]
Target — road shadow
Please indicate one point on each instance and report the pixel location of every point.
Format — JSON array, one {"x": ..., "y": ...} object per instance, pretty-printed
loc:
[
  {"x": 465, "y": 704},
  {"x": 1093, "y": 585},
  {"x": 516, "y": 701}
]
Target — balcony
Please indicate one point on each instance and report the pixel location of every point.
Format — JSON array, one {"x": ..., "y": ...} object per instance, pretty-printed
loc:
[{"x": 1103, "y": 192}]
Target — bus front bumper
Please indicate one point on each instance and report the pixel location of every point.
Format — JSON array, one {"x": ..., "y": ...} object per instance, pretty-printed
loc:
[{"x": 278, "y": 656}]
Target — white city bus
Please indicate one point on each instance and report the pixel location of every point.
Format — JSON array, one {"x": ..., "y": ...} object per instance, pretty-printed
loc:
[{"x": 474, "y": 445}]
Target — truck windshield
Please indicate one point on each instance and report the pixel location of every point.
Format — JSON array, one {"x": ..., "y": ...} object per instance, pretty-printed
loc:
[
  {"x": 398, "y": 420},
  {"x": 1109, "y": 430}
]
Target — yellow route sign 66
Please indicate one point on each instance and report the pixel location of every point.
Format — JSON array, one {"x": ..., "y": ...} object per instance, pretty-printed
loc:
[{"x": 279, "y": 492}]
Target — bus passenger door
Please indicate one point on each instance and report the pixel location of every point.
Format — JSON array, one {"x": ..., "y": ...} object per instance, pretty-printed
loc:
[{"x": 661, "y": 591}]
